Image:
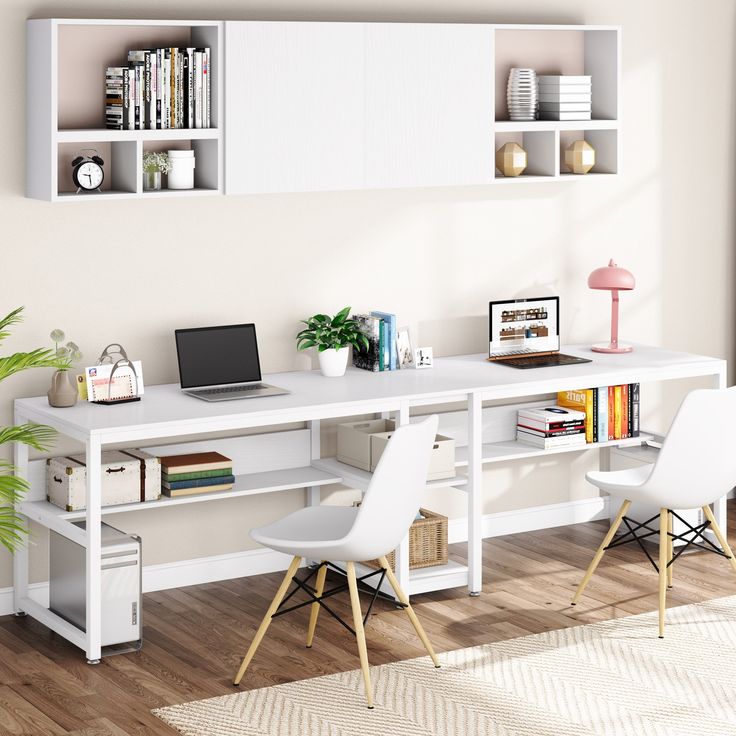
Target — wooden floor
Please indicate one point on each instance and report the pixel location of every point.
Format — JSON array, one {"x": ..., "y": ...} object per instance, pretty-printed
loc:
[{"x": 194, "y": 637}]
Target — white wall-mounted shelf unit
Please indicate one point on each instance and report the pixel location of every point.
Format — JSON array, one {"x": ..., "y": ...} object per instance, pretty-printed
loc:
[
  {"x": 320, "y": 106},
  {"x": 65, "y": 112}
]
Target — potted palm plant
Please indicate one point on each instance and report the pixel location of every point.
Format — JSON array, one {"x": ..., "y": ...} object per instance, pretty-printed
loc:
[
  {"x": 332, "y": 336},
  {"x": 37, "y": 436}
]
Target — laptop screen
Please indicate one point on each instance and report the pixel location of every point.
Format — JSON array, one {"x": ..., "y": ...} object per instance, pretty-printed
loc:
[
  {"x": 522, "y": 326},
  {"x": 210, "y": 356}
]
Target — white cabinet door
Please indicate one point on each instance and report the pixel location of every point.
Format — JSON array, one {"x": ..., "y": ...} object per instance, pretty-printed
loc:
[
  {"x": 429, "y": 104},
  {"x": 295, "y": 106}
]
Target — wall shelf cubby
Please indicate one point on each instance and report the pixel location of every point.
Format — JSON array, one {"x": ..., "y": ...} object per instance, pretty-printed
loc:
[{"x": 66, "y": 62}]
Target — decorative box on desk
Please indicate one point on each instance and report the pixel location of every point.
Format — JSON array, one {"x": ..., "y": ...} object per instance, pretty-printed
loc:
[
  {"x": 361, "y": 445},
  {"x": 127, "y": 476}
]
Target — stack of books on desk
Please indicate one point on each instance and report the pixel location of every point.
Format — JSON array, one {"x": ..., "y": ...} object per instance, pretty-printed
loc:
[
  {"x": 200, "y": 472},
  {"x": 382, "y": 353},
  {"x": 548, "y": 427},
  {"x": 564, "y": 97}
]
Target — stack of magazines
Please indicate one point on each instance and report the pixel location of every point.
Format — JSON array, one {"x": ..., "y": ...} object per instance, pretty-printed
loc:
[
  {"x": 159, "y": 89},
  {"x": 548, "y": 427}
]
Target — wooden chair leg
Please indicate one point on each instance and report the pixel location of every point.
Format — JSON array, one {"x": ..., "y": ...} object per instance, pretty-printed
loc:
[
  {"x": 600, "y": 551},
  {"x": 719, "y": 535},
  {"x": 664, "y": 546},
  {"x": 359, "y": 631},
  {"x": 403, "y": 598},
  {"x": 670, "y": 551},
  {"x": 314, "y": 612},
  {"x": 275, "y": 603}
]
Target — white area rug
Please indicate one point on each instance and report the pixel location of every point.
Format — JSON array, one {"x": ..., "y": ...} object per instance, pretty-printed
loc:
[{"x": 614, "y": 677}]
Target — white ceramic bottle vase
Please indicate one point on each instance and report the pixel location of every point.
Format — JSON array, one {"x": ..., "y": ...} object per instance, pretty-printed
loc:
[{"x": 181, "y": 173}]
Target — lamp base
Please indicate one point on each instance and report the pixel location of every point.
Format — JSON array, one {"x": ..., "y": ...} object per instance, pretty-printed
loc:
[{"x": 609, "y": 347}]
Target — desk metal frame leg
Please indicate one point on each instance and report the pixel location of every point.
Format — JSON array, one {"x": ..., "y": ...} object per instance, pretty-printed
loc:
[
  {"x": 475, "y": 494},
  {"x": 21, "y": 556},
  {"x": 93, "y": 637},
  {"x": 402, "y": 551},
  {"x": 720, "y": 508}
]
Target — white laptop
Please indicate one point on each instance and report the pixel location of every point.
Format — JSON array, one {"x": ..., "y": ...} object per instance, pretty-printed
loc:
[{"x": 221, "y": 363}]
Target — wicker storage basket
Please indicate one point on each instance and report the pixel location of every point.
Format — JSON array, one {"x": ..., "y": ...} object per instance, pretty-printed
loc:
[{"x": 427, "y": 542}]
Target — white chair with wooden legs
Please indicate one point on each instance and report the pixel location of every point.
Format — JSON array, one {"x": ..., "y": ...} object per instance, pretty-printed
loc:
[
  {"x": 695, "y": 467},
  {"x": 350, "y": 535}
]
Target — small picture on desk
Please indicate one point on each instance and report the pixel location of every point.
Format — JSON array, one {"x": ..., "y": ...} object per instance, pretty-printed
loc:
[
  {"x": 403, "y": 349},
  {"x": 423, "y": 358}
]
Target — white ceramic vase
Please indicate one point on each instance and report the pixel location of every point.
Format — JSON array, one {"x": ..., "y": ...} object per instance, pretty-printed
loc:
[{"x": 333, "y": 362}]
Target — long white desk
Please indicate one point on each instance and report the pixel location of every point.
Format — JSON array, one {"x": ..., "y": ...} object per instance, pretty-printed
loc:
[{"x": 165, "y": 412}]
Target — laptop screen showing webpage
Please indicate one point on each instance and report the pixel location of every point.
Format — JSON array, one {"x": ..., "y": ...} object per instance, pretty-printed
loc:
[
  {"x": 213, "y": 356},
  {"x": 524, "y": 326}
]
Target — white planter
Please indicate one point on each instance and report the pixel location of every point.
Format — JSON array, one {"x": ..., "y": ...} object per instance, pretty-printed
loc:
[{"x": 333, "y": 362}]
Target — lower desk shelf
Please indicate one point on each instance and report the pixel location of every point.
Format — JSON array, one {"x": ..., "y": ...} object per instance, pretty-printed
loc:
[
  {"x": 425, "y": 579},
  {"x": 245, "y": 485},
  {"x": 496, "y": 452}
]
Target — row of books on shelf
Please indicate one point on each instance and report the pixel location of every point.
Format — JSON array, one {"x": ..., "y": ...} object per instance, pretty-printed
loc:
[
  {"x": 382, "y": 352},
  {"x": 160, "y": 89},
  {"x": 601, "y": 414}
]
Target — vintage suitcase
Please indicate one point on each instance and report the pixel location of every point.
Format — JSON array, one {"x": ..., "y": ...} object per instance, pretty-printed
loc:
[{"x": 127, "y": 476}]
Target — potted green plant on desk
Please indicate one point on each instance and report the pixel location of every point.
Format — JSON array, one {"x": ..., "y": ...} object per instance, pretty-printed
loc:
[
  {"x": 37, "y": 436},
  {"x": 332, "y": 336}
]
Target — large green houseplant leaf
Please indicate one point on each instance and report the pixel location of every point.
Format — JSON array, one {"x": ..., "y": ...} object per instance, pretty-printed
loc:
[{"x": 37, "y": 436}]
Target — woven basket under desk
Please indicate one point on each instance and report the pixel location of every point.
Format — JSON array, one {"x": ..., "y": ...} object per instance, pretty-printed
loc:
[{"x": 427, "y": 542}]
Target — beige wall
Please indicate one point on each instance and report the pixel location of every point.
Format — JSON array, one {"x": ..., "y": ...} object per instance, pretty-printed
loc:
[{"x": 433, "y": 256}]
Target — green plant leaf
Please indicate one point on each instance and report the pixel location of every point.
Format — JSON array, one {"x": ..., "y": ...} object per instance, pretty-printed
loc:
[
  {"x": 341, "y": 316},
  {"x": 39, "y": 358},
  {"x": 38, "y": 436},
  {"x": 306, "y": 344},
  {"x": 11, "y": 319}
]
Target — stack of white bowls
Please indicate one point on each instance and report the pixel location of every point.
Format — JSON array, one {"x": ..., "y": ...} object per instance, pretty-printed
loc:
[{"x": 522, "y": 94}]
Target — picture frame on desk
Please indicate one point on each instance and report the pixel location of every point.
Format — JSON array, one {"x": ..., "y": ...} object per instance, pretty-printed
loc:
[
  {"x": 423, "y": 358},
  {"x": 404, "y": 349}
]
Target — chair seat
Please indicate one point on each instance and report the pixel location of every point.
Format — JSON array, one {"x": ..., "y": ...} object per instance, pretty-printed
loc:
[
  {"x": 621, "y": 483},
  {"x": 315, "y": 531}
]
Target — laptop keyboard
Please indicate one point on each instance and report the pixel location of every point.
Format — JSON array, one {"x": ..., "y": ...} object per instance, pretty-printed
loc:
[{"x": 231, "y": 389}]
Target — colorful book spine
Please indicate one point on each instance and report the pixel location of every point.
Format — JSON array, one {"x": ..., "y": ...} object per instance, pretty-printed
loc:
[
  {"x": 392, "y": 356},
  {"x": 589, "y": 416},
  {"x": 611, "y": 412},
  {"x": 602, "y": 419},
  {"x": 617, "y": 412},
  {"x": 196, "y": 474},
  {"x": 635, "y": 408},
  {"x": 199, "y": 482},
  {"x": 625, "y": 433}
]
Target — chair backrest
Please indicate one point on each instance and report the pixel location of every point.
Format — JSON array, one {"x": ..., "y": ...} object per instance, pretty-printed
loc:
[
  {"x": 697, "y": 463},
  {"x": 392, "y": 499}
]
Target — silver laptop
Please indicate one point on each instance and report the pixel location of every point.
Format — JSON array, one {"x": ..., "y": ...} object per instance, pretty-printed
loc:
[{"x": 221, "y": 363}]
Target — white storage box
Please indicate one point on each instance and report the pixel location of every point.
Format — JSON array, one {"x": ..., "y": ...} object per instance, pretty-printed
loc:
[
  {"x": 441, "y": 464},
  {"x": 127, "y": 476},
  {"x": 354, "y": 441}
]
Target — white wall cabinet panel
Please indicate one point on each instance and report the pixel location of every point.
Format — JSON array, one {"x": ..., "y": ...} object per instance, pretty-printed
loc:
[
  {"x": 429, "y": 104},
  {"x": 295, "y": 106}
]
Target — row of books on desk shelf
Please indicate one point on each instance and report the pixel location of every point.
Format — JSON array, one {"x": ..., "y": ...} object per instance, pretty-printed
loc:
[
  {"x": 382, "y": 353},
  {"x": 601, "y": 414},
  {"x": 159, "y": 89}
]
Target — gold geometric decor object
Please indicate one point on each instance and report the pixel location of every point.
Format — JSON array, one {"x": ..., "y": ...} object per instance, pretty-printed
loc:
[
  {"x": 511, "y": 159},
  {"x": 580, "y": 157}
]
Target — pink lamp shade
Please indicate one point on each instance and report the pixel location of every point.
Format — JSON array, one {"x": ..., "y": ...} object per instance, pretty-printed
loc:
[{"x": 612, "y": 278}]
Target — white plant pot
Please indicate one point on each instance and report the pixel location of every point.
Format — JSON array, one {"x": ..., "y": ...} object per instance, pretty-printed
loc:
[{"x": 333, "y": 362}]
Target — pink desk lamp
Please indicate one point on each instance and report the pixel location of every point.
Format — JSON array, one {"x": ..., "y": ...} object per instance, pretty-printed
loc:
[{"x": 614, "y": 279}]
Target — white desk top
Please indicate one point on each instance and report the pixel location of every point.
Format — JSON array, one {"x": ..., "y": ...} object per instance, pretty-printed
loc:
[{"x": 165, "y": 411}]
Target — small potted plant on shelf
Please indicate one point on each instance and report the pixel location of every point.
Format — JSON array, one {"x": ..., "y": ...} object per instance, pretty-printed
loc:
[
  {"x": 332, "y": 336},
  {"x": 63, "y": 392},
  {"x": 155, "y": 163}
]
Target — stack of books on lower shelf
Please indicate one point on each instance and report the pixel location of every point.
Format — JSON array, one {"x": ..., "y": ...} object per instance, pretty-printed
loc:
[
  {"x": 549, "y": 427},
  {"x": 564, "y": 97},
  {"x": 611, "y": 412},
  {"x": 199, "y": 472}
]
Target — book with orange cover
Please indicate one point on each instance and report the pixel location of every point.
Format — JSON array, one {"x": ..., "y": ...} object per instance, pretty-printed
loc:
[
  {"x": 611, "y": 412},
  {"x": 617, "y": 412},
  {"x": 194, "y": 462},
  {"x": 582, "y": 401},
  {"x": 625, "y": 411}
]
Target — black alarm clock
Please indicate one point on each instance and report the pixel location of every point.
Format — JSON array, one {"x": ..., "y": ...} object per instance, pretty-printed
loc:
[{"x": 87, "y": 172}]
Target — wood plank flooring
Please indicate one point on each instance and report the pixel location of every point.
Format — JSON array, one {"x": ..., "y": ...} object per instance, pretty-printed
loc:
[{"x": 195, "y": 637}]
